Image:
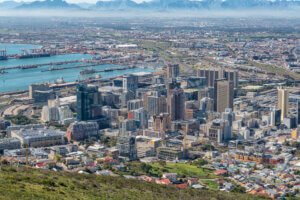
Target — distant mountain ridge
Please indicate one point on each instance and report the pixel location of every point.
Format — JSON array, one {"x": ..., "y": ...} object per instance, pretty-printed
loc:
[
  {"x": 195, "y": 5},
  {"x": 157, "y": 5},
  {"x": 10, "y": 4},
  {"x": 48, "y": 4}
]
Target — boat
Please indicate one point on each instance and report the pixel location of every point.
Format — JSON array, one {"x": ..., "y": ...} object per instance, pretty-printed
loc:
[
  {"x": 87, "y": 71},
  {"x": 3, "y": 55},
  {"x": 28, "y": 67},
  {"x": 2, "y": 71},
  {"x": 59, "y": 81},
  {"x": 34, "y": 55}
]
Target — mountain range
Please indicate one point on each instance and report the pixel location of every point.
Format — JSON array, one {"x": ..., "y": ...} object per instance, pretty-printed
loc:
[{"x": 157, "y": 5}]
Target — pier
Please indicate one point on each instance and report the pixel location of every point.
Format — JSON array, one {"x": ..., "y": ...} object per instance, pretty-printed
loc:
[{"x": 88, "y": 63}]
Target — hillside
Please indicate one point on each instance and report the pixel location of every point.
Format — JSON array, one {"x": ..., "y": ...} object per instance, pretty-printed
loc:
[{"x": 33, "y": 184}]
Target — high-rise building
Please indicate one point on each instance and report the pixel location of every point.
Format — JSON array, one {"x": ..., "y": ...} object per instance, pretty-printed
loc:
[
  {"x": 228, "y": 115},
  {"x": 172, "y": 71},
  {"x": 298, "y": 112},
  {"x": 128, "y": 125},
  {"x": 140, "y": 115},
  {"x": 88, "y": 102},
  {"x": 175, "y": 104},
  {"x": 82, "y": 130},
  {"x": 219, "y": 131},
  {"x": 232, "y": 76},
  {"x": 283, "y": 102},
  {"x": 156, "y": 105},
  {"x": 127, "y": 147},
  {"x": 206, "y": 104},
  {"x": 130, "y": 83},
  {"x": 223, "y": 95},
  {"x": 211, "y": 75},
  {"x": 41, "y": 93},
  {"x": 161, "y": 123},
  {"x": 290, "y": 122},
  {"x": 275, "y": 116},
  {"x": 134, "y": 104}
]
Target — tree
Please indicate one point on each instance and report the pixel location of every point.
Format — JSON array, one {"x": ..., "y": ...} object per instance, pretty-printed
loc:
[{"x": 57, "y": 158}]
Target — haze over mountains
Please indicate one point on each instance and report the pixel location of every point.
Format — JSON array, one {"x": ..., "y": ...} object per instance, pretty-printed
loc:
[{"x": 157, "y": 5}]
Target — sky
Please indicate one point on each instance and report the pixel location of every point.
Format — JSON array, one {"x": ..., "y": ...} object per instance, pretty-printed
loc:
[{"x": 75, "y": 1}]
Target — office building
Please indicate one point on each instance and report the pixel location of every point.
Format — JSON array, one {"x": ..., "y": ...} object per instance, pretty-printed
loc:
[
  {"x": 130, "y": 83},
  {"x": 172, "y": 71},
  {"x": 211, "y": 75},
  {"x": 275, "y": 117},
  {"x": 156, "y": 105},
  {"x": 128, "y": 125},
  {"x": 232, "y": 76},
  {"x": 41, "y": 93},
  {"x": 290, "y": 122},
  {"x": 139, "y": 115},
  {"x": 175, "y": 104},
  {"x": 82, "y": 130},
  {"x": 228, "y": 115},
  {"x": 298, "y": 112},
  {"x": 161, "y": 123},
  {"x": 38, "y": 137},
  {"x": 214, "y": 74},
  {"x": 169, "y": 153},
  {"x": 134, "y": 104},
  {"x": 10, "y": 143},
  {"x": 223, "y": 95},
  {"x": 127, "y": 147},
  {"x": 283, "y": 102},
  {"x": 206, "y": 104},
  {"x": 219, "y": 131},
  {"x": 88, "y": 102}
]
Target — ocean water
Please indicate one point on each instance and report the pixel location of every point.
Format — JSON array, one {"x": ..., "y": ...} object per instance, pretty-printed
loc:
[
  {"x": 20, "y": 79},
  {"x": 17, "y": 48}
]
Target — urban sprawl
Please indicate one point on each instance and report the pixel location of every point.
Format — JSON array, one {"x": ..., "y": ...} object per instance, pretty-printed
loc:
[{"x": 220, "y": 108}]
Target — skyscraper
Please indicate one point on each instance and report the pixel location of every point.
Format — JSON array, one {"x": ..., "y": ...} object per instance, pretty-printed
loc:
[
  {"x": 88, "y": 102},
  {"x": 232, "y": 76},
  {"x": 213, "y": 74},
  {"x": 172, "y": 71},
  {"x": 283, "y": 102},
  {"x": 175, "y": 103},
  {"x": 298, "y": 111},
  {"x": 275, "y": 116},
  {"x": 130, "y": 83},
  {"x": 223, "y": 95}
]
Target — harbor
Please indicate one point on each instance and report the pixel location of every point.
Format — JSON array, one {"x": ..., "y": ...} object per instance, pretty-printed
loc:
[{"x": 18, "y": 74}]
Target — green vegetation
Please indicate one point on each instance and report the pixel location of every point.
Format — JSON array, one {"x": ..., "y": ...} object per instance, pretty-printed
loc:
[
  {"x": 276, "y": 70},
  {"x": 109, "y": 141},
  {"x": 158, "y": 48},
  {"x": 31, "y": 184},
  {"x": 157, "y": 169},
  {"x": 20, "y": 120},
  {"x": 57, "y": 125},
  {"x": 185, "y": 170},
  {"x": 211, "y": 184}
]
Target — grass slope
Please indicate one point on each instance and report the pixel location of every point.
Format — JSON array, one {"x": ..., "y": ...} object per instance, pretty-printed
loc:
[{"x": 33, "y": 184}]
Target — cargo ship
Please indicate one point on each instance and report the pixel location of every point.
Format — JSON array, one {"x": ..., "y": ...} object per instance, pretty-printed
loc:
[
  {"x": 3, "y": 55},
  {"x": 87, "y": 71},
  {"x": 33, "y": 54},
  {"x": 3, "y": 58}
]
